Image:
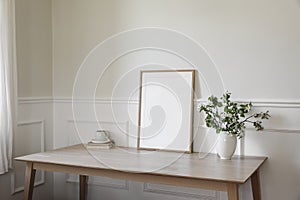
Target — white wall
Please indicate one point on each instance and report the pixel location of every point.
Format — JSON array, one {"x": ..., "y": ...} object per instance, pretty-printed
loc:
[
  {"x": 254, "y": 45},
  {"x": 34, "y": 64},
  {"x": 34, "y": 47},
  {"x": 247, "y": 40}
]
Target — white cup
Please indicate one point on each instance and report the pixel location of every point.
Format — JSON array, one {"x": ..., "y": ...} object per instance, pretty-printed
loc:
[{"x": 101, "y": 135}]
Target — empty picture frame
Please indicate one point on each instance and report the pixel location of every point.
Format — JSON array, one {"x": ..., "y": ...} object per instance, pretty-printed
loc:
[{"x": 166, "y": 110}]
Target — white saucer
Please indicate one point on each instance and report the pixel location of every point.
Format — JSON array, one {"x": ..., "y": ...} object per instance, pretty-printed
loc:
[{"x": 100, "y": 141}]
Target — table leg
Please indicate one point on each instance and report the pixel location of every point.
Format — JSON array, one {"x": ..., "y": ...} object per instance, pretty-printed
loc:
[
  {"x": 255, "y": 186},
  {"x": 83, "y": 187},
  {"x": 233, "y": 191},
  {"x": 29, "y": 181}
]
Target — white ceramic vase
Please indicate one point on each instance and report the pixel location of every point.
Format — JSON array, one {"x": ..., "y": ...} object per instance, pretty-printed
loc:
[{"x": 226, "y": 145}]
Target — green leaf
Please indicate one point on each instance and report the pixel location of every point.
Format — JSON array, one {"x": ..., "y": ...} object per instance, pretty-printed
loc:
[{"x": 230, "y": 117}]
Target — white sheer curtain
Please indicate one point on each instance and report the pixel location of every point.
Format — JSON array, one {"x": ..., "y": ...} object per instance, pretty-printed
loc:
[{"x": 7, "y": 82}]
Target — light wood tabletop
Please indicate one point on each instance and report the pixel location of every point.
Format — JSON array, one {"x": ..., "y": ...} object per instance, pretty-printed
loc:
[{"x": 147, "y": 166}]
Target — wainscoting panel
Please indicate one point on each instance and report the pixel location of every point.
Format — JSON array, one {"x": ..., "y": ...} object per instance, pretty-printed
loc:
[
  {"x": 30, "y": 139},
  {"x": 190, "y": 193},
  {"x": 100, "y": 181}
]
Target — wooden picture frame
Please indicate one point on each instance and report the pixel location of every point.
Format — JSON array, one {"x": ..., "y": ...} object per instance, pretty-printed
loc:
[{"x": 166, "y": 104}]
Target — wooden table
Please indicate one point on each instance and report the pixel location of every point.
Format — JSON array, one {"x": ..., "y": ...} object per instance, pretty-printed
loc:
[{"x": 147, "y": 166}]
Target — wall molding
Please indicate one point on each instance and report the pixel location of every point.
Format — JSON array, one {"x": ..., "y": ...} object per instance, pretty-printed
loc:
[
  {"x": 271, "y": 103},
  {"x": 278, "y": 130},
  {"x": 270, "y": 130},
  {"x": 147, "y": 188},
  {"x": 98, "y": 181},
  {"x": 15, "y": 189},
  {"x": 31, "y": 122},
  {"x": 34, "y": 100},
  {"x": 95, "y": 121},
  {"x": 275, "y": 103},
  {"x": 95, "y": 101}
]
